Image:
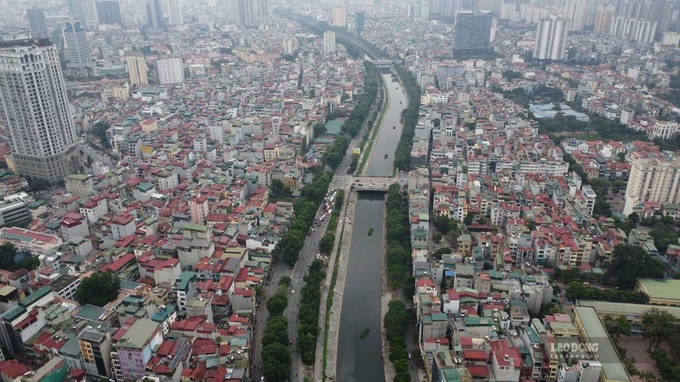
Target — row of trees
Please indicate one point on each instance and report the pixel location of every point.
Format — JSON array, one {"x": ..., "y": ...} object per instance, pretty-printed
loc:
[
  {"x": 402, "y": 156},
  {"x": 577, "y": 290},
  {"x": 630, "y": 262},
  {"x": 397, "y": 224},
  {"x": 669, "y": 370},
  {"x": 397, "y": 319},
  {"x": 276, "y": 356},
  {"x": 352, "y": 125},
  {"x": 328, "y": 240},
  {"x": 658, "y": 325},
  {"x": 355, "y": 162},
  {"x": 305, "y": 207},
  {"x": 308, "y": 316}
]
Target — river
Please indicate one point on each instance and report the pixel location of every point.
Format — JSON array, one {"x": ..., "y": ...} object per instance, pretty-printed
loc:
[
  {"x": 381, "y": 159},
  {"x": 360, "y": 360}
]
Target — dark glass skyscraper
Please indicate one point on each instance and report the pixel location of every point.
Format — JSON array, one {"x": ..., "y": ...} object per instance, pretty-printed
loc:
[
  {"x": 37, "y": 22},
  {"x": 359, "y": 22},
  {"x": 154, "y": 14},
  {"x": 108, "y": 12},
  {"x": 473, "y": 30}
]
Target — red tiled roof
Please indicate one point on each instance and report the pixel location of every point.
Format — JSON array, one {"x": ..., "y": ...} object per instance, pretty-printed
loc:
[
  {"x": 118, "y": 264},
  {"x": 13, "y": 368}
]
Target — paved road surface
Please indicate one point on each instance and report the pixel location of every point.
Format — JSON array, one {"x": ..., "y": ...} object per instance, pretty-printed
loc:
[
  {"x": 340, "y": 181},
  {"x": 96, "y": 155},
  {"x": 307, "y": 255}
]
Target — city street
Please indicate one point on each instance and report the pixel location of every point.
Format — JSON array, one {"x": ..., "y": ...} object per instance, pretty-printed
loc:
[
  {"x": 307, "y": 255},
  {"x": 341, "y": 181},
  {"x": 95, "y": 154}
]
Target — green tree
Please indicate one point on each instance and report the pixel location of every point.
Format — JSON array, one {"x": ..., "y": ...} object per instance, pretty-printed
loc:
[
  {"x": 98, "y": 289},
  {"x": 285, "y": 280},
  {"x": 99, "y": 130},
  {"x": 277, "y": 362},
  {"x": 657, "y": 325},
  {"x": 36, "y": 184},
  {"x": 278, "y": 191},
  {"x": 277, "y": 304},
  {"x": 259, "y": 292},
  {"x": 511, "y": 75},
  {"x": 319, "y": 129},
  {"x": 634, "y": 219},
  {"x": 663, "y": 237},
  {"x": 308, "y": 316},
  {"x": 442, "y": 224},
  {"x": 617, "y": 327},
  {"x": 30, "y": 263},
  {"x": 276, "y": 331},
  {"x": 7, "y": 253},
  {"x": 577, "y": 290},
  {"x": 326, "y": 243},
  {"x": 631, "y": 262},
  {"x": 669, "y": 370},
  {"x": 469, "y": 218}
]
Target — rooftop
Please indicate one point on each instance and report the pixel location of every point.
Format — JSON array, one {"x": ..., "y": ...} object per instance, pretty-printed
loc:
[
  {"x": 62, "y": 282},
  {"x": 626, "y": 308},
  {"x": 606, "y": 352},
  {"x": 667, "y": 289},
  {"x": 139, "y": 334}
]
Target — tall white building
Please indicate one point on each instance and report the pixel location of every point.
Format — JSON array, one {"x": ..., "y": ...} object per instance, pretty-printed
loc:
[
  {"x": 138, "y": 70},
  {"x": 422, "y": 8},
  {"x": 35, "y": 110},
  {"x": 575, "y": 12},
  {"x": 551, "y": 39},
  {"x": 663, "y": 130},
  {"x": 654, "y": 177},
  {"x": 339, "y": 15},
  {"x": 288, "y": 45},
  {"x": 262, "y": 9},
  {"x": 509, "y": 10},
  {"x": 634, "y": 29},
  {"x": 328, "y": 42},
  {"x": 90, "y": 16},
  {"x": 78, "y": 49},
  {"x": 170, "y": 70},
  {"x": 174, "y": 11}
]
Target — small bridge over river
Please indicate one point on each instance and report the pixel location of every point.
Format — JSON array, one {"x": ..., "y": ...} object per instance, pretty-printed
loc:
[{"x": 369, "y": 183}]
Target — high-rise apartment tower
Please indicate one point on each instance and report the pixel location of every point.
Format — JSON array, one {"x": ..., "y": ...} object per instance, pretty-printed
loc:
[{"x": 35, "y": 110}]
